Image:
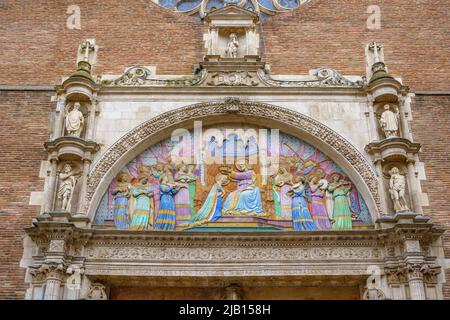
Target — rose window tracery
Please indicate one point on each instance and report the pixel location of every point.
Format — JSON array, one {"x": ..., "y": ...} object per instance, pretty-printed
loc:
[{"x": 200, "y": 8}]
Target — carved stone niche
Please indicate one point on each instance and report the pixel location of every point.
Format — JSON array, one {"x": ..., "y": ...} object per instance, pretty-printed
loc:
[
  {"x": 397, "y": 188},
  {"x": 401, "y": 153},
  {"x": 70, "y": 159},
  {"x": 68, "y": 188},
  {"x": 76, "y": 96},
  {"x": 232, "y": 33},
  {"x": 388, "y": 119},
  {"x": 75, "y": 118}
]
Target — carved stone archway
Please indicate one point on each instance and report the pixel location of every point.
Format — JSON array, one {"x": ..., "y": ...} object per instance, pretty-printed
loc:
[{"x": 158, "y": 128}]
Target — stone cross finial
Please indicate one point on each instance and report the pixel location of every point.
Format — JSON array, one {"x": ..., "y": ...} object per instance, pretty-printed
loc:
[
  {"x": 374, "y": 58},
  {"x": 87, "y": 51},
  {"x": 376, "y": 48}
]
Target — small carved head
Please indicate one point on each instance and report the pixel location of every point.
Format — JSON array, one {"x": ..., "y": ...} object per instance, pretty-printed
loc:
[
  {"x": 222, "y": 179},
  {"x": 241, "y": 164},
  {"x": 123, "y": 177},
  {"x": 191, "y": 168},
  {"x": 233, "y": 36},
  {"x": 394, "y": 170},
  {"x": 336, "y": 177},
  {"x": 76, "y": 106},
  {"x": 299, "y": 179},
  {"x": 313, "y": 178},
  {"x": 386, "y": 107},
  {"x": 67, "y": 168}
]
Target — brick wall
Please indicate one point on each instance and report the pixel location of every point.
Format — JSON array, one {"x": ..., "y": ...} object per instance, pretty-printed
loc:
[
  {"x": 431, "y": 127},
  {"x": 129, "y": 33},
  {"x": 334, "y": 33},
  {"x": 24, "y": 124},
  {"x": 138, "y": 32}
]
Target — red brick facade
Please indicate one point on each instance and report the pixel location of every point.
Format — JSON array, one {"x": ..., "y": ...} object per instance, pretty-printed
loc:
[
  {"x": 431, "y": 119},
  {"x": 38, "y": 49},
  {"x": 24, "y": 121}
]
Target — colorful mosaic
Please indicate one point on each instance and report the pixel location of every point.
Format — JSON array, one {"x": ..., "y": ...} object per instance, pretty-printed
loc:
[{"x": 230, "y": 186}]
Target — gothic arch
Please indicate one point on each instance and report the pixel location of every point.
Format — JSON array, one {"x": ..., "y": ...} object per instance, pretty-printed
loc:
[{"x": 154, "y": 130}]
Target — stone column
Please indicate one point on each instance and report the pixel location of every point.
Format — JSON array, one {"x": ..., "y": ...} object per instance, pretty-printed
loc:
[
  {"x": 60, "y": 116},
  {"x": 54, "y": 277},
  {"x": 404, "y": 131},
  {"x": 91, "y": 124},
  {"x": 86, "y": 165},
  {"x": 52, "y": 289},
  {"x": 373, "y": 129},
  {"x": 50, "y": 193},
  {"x": 215, "y": 48},
  {"x": 413, "y": 189},
  {"x": 381, "y": 190},
  {"x": 416, "y": 285}
]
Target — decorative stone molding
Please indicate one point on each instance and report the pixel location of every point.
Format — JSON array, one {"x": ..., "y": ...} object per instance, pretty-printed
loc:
[
  {"x": 322, "y": 77},
  {"x": 393, "y": 148},
  {"x": 65, "y": 148},
  {"x": 141, "y": 76},
  {"x": 216, "y": 71},
  {"x": 239, "y": 78},
  {"x": 49, "y": 270},
  {"x": 252, "y": 110},
  {"x": 231, "y": 254},
  {"x": 104, "y": 254}
]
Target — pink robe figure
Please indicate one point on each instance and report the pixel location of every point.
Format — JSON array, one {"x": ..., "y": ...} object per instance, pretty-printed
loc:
[
  {"x": 318, "y": 210},
  {"x": 182, "y": 201},
  {"x": 154, "y": 180},
  {"x": 285, "y": 203}
]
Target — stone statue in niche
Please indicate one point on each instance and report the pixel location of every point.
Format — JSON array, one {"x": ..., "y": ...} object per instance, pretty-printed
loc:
[
  {"x": 67, "y": 181},
  {"x": 232, "y": 47},
  {"x": 74, "y": 121},
  {"x": 389, "y": 122},
  {"x": 397, "y": 185}
]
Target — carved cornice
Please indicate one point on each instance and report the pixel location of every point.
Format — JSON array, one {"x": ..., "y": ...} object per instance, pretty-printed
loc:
[
  {"x": 109, "y": 252},
  {"x": 141, "y": 76},
  {"x": 48, "y": 229},
  {"x": 393, "y": 148},
  {"x": 68, "y": 147},
  {"x": 217, "y": 71},
  {"x": 246, "y": 108},
  {"x": 322, "y": 77}
]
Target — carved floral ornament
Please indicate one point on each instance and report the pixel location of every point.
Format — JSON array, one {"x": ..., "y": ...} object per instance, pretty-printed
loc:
[
  {"x": 104, "y": 168},
  {"x": 323, "y": 77}
]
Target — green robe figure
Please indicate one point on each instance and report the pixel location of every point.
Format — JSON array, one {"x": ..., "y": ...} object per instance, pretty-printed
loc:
[
  {"x": 143, "y": 206},
  {"x": 340, "y": 190},
  {"x": 192, "y": 180}
]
